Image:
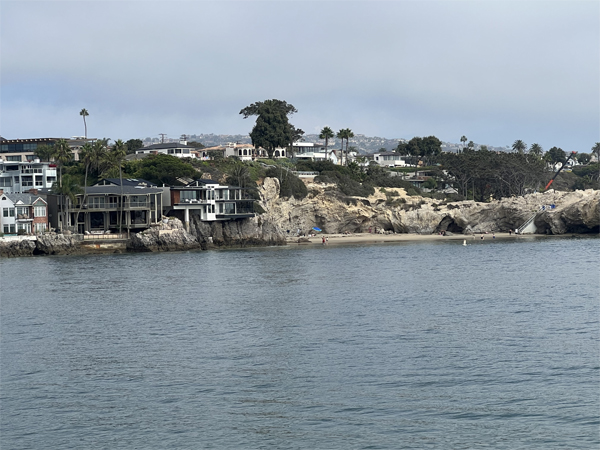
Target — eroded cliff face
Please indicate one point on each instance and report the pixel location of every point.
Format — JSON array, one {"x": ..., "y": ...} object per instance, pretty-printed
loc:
[{"x": 326, "y": 208}]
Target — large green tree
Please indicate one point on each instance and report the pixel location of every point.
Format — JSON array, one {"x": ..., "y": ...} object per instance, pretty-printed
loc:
[
  {"x": 326, "y": 133},
  {"x": 555, "y": 155},
  {"x": 272, "y": 128},
  {"x": 134, "y": 144}
]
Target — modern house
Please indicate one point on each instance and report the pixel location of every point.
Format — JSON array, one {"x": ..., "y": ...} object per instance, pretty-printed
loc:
[
  {"x": 22, "y": 150},
  {"x": 179, "y": 149},
  {"x": 313, "y": 152},
  {"x": 390, "y": 159},
  {"x": 107, "y": 208},
  {"x": 209, "y": 200},
  {"x": 20, "y": 177},
  {"x": 23, "y": 213}
]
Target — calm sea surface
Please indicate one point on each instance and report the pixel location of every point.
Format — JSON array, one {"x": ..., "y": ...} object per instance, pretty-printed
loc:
[{"x": 417, "y": 345}]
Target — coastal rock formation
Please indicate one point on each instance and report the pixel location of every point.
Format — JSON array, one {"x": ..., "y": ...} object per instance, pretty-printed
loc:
[
  {"x": 13, "y": 249},
  {"x": 168, "y": 236},
  {"x": 47, "y": 244},
  {"x": 391, "y": 210},
  {"x": 237, "y": 233},
  {"x": 56, "y": 244}
]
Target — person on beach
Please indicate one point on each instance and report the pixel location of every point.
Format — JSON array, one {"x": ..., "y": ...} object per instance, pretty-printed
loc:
[
  {"x": 323, "y": 240},
  {"x": 510, "y": 231}
]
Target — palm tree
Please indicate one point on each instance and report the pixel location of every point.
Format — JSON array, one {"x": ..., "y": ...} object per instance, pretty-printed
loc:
[
  {"x": 84, "y": 113},
  {"x": 463, "y": 139},
  {"x": 519, "y": 146},
  {"x": 112, "y": 159},
  {"x": 97, "y": 155},
  {"x": 326, "y": 133},
  {"x": 596, "y": 149},
  {"x": 536, "y": 149},
  {"x": 62, "y": 155},
  {"x": 341, "y": 135},
  {"x": 85, "y": 157},
  {"x": 69, "y": 188},
  {"x": 349, "y": 135}
]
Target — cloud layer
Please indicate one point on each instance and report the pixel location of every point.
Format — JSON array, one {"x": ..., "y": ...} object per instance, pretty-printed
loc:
[{"x": 495, "y": 71}]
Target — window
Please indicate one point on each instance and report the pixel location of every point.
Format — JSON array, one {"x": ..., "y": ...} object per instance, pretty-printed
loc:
[
  {"x": 96, "y": 202},
  {"x": 13, "y": 158},
  {"x": 5, "y": 181},
  {"x": 8, "y": 212},
  {"x": 27, "y": 180},
  {"x": 9, "y": 229},
  {"x": 40, "y": 227},
  {"x": 39, "y": 211},
  {"x": 23, "y": 211},
  {"x": 39, "y": 180}
]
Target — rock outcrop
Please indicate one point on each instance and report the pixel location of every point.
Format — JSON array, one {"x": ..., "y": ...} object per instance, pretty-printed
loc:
[
  {"x": 169, "y": 236},
  {"x": 392, "y": 210}
]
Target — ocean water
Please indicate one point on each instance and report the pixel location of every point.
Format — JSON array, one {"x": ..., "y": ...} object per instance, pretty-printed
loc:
[{"x": 394, "y": 346}]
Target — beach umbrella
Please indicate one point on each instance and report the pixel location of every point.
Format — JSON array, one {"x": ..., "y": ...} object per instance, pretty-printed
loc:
[{"x": 316, "y": 229}]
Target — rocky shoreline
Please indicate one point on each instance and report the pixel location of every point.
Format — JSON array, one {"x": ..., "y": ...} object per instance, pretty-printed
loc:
[{"x": 388, "y": 211}]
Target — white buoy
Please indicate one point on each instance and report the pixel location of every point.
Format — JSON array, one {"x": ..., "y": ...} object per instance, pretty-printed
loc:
[{"x": 464, "y": 242}]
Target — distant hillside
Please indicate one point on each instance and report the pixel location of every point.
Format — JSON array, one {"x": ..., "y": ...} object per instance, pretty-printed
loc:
[{"x": 364, "y": 144}]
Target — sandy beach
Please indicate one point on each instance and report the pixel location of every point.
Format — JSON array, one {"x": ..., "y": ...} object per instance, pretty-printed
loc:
[{"x": 372, "y": 238}]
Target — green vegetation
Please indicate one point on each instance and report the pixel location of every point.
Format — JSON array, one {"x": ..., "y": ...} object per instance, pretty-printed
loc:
[{"x": 272, "y": 128}]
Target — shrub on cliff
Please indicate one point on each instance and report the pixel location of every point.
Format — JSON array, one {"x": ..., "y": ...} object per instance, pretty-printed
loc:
[{"x": 290, "y": 184}]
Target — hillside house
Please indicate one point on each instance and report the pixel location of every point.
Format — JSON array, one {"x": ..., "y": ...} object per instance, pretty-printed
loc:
[{"x": 208, "y": 200}]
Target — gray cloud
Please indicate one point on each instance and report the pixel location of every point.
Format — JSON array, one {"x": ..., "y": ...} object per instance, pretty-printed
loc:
[{"x": 493, "y": 70}]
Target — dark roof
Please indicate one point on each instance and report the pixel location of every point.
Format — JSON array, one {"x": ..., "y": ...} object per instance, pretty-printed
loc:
[
  {"x": 167, "y": 145},
  {"x": 27, "y": 199},
  {"x": 388, "y": 153},
  {"x": 116, "y": 190},
  {"x": 127, "y": 182}
]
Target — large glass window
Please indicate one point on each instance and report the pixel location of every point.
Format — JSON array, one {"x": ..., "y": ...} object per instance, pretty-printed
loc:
[
  {"x": 8, "y": 212},
  {"x": 27, "y": 180},
  {"x": 13, "y": 158},
  {"x": 5, "y": 181},
  {"x": 22, "y": 212},
  {"x": 39, "y": 211}
]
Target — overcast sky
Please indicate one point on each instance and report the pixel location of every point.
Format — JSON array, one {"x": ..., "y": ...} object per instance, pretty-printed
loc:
[{"x": 495, "y": 71}]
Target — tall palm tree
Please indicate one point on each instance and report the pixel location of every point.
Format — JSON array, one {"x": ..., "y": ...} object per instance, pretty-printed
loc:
[
  {"x": 85, "y": 157},
  {"x": 341, "y": 135},
  {"x": 349, "y": 135},
  {"x": 84, "y": 113},
  {"x": 111, "y": 160},
  {"x": 69, "y": 188},
  {"x": 463, "y": 139},
  {"x": 519, "y": 146},
  {"x": 61, "y": 153},
  {"x": 596, "y": 149},
  {"x": 326, "y": 133}
]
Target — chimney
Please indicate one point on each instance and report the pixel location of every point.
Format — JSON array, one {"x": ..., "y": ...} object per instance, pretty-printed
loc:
[
  {"x": 33, "y": 191},
  {"x": 1, "y": 191}
]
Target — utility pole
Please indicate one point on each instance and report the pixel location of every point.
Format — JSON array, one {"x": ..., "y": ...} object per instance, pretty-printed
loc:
[{"x": 162, "y": 137}]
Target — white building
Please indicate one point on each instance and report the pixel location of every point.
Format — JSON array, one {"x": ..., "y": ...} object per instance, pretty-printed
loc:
[
  {"x": 314, "y": 152},
  {"x": 390, "y": 159},
  {"x": 18, "y": 177},
  {"x": 179, "y": 149}
]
